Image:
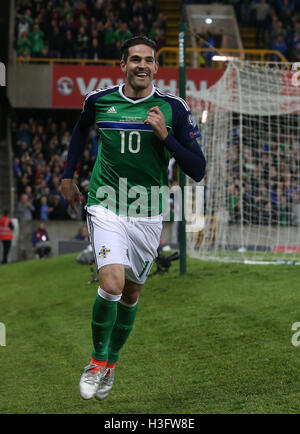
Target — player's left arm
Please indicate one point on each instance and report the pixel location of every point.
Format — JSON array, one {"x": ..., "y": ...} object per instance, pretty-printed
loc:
[{"x": 185, "y": 146}]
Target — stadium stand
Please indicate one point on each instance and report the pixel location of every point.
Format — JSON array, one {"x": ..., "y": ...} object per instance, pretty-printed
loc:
[
  {"x": 90, "y": 29},
  {"x": 40, "y": 148},
  {"x": 263, "y": 24},
  {"x": 271, "y": 190}
]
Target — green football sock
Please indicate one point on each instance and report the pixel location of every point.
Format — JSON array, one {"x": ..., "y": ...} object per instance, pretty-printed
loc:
[
  {"x": 121, "y": 330},
  {"x": 103, "y": 319}
]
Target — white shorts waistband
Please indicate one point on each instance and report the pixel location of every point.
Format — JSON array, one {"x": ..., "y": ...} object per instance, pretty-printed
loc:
[{"x": 98, "y": 210}]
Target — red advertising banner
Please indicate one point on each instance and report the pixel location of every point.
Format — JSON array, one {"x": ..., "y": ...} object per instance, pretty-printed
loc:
[
  {"x": 286, "y": 249},
  {"x": 70, "y": 83}
]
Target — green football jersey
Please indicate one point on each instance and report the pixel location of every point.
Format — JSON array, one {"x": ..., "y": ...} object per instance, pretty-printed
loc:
[{"x": 131, "y": 168}]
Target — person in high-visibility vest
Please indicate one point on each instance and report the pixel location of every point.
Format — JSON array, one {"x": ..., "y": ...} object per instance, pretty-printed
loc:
[{"x": 6, "y": 234}]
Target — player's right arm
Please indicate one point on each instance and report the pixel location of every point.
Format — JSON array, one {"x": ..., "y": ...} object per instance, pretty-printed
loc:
[
  {"x": 78, "y": 141},
  {"x": 185, "y": 146}
]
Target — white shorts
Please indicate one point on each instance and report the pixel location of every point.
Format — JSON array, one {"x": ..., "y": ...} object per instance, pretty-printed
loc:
[{"x": 130, "y": 241}]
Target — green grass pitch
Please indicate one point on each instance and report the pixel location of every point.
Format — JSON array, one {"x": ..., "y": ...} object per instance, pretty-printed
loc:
[{"x": 216, "y": 340}]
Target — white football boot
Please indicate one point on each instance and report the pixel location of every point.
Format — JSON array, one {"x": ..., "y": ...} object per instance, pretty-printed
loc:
[
  {"x": 106, "y": 384},
  {"x": 90, "y": 380}
]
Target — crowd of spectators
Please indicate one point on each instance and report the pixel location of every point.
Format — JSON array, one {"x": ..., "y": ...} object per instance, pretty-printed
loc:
[
  {"x": 277, "y": 24},
  {"x": 40, "y": 148},
  {"x": 270, "y": 193},
  {"x": 84, "y": 29}
]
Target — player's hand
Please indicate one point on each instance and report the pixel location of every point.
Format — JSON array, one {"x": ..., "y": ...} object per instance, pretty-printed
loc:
[
  {"x": 157, "y": 121},
  {"x": 71, "y": 193}
]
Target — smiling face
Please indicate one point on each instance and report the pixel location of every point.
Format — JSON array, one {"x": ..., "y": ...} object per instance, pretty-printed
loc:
[{"x": 139, "y": 69}]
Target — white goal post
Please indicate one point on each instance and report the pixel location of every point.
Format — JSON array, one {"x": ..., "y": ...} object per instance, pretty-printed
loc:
[{"x": 250, "y": 124}]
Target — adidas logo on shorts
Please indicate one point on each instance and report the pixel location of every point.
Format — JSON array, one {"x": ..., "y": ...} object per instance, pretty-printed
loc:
[{"x": 111, "y": 110}]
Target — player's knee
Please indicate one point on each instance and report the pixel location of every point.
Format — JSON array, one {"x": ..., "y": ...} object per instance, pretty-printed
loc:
[
  {"x": 130, "y": 299},
  {"x": 112, "y": 285},
  {"x": 131, "y": 293},
  {"x": 111, "y": 279}
]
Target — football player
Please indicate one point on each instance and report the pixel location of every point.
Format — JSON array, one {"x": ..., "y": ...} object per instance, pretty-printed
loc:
[{"x": 141, "y": 128}]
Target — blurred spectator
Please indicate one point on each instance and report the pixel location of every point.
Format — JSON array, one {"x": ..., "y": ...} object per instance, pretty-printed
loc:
[
  {"x": 134, "y": 25},
  {"x": 25, "y": 57},
  {"x": 262, "y": 9},
  {"x": 122, "y": 33},
  {"x": 277, "y": 31},
  {"x": 286, "y": 9},
  {"x": 45, "y": 52},
  {"x": 100, "y": 32},
  {"x": 68, "y": 51},
  {"x": 23, "y": 26},
  {"x": 41, "y": 241},
  {"x": 124, "y": 14},
  {"x": 68, "y": 25},
  {"x": 109, "y": 40},
  {"x": 94, "y": 50},
  {"x": 137, "y": 8},
  {"x": 55, "y": 43},
  {"x": 37, "y": 41},
  {"x": 24, "y": 45},
  {"x": 16, "y": 168},
  {"x": 81, "y": 13},
  {"x": 159, "y": 38},
  {"x": 44, "y": 208},
  {"x": 207, "y": 41},
  {"x": 83, "y": 234},
  {"x": 57, "y": 210},
  {"x": 234, "y": 203},
  {"x": 6, "y": 234},
  {"x": 281, "y": 46},
  {"x": 25, "y": 208},
  {"x": 67, "y": 10},
  {"x": 82, "y": 42},
  {"x": 161, "y": 22}
]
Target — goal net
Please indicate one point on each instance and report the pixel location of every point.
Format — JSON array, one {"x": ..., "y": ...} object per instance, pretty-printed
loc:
[{"x": 250, "y": 124}]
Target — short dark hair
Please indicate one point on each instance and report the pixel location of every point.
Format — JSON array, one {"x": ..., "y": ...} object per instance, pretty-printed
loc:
[{"x": 136, "y": 40}]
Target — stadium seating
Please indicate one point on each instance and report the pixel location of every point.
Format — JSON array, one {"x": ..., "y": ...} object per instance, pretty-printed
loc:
[
  {"x": 268, "y": 24},
  {"x": 40, "y": 148},
  {"x": 89, "y": 29}
]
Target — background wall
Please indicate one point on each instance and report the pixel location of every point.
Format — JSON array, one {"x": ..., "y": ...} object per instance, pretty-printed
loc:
[
  {"x": 29, "y": 85},
  {"x": 57, "y": 231}
]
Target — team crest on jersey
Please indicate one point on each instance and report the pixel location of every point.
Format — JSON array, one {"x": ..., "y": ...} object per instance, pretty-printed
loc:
[
  {"x": 192, "y": 121},
  {"x": 104, "y": 251}
]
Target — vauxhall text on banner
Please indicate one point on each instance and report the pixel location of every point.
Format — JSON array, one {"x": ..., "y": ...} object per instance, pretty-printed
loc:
[{"x": 70, "y": 83}]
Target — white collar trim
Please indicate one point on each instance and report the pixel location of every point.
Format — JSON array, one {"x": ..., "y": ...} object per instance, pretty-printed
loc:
[{"x": 137, "y": 100}]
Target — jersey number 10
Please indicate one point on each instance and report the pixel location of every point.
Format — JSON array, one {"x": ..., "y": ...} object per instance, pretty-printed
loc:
[{"x": 134, "y": 142}]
